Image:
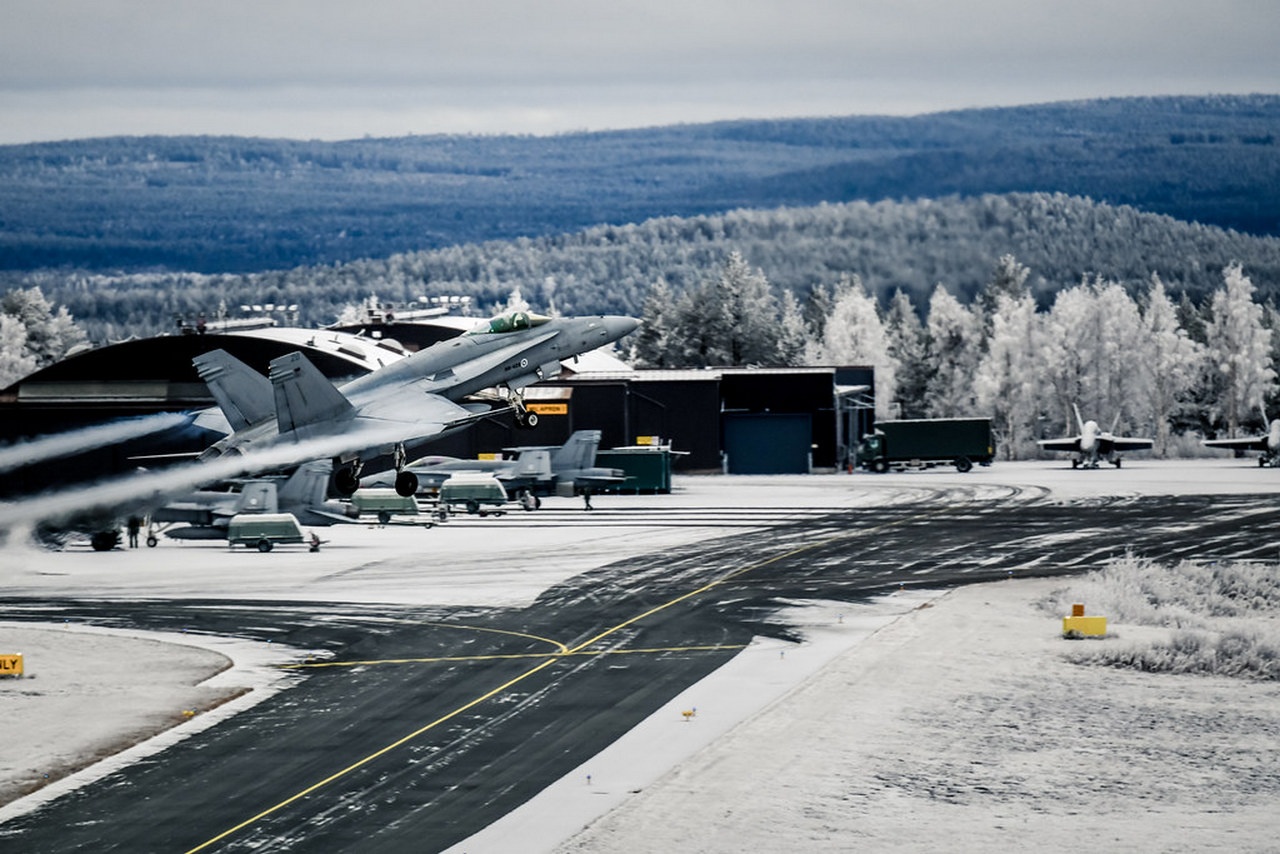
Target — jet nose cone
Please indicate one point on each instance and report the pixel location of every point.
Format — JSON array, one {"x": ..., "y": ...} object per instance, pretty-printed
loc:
[{"x": 619, "y": 325}]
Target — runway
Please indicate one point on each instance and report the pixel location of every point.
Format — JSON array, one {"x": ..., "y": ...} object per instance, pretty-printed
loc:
[{"x": 427, "y": 722}]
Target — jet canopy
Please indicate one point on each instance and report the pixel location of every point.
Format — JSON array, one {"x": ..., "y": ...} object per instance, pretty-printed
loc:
[{"x": 510, "y": 321}]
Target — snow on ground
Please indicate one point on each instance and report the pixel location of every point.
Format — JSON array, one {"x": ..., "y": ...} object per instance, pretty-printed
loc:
[
  {"x": 998, "y": 744},
  {"x": 885, "y": 744}
]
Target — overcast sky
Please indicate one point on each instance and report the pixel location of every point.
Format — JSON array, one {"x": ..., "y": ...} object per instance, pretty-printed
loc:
[{"x": 340, "y": 69}]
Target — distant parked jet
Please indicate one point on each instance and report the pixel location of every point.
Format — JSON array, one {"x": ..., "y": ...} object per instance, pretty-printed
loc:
[
  {"x": 1268, "y": 443},
  {"x": 1093, "y": 446}
]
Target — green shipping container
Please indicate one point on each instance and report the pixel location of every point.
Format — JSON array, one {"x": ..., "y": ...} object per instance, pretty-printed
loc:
[{"x": 648, "y": 468}]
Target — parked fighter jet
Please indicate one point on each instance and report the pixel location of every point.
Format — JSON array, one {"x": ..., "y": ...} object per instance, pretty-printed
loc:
[
  {"x": 373, "y": 422},
  {"x": 1093, "y": 445},
  {"x": 1268, "y": 443},
  {"x": 206, "y": 514},
  {"x": 534, "y": 471}
]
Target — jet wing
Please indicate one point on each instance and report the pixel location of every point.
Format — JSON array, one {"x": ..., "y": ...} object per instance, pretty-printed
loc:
[
  {"x": 1243, "y": 443},
  {"x": 1124, "y": 443},
  {"x": 1070, "y": 444}
]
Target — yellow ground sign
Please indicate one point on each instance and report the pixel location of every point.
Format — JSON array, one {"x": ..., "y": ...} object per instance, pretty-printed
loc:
[
  {"x": 548, "y": 408},
  {"x": 11, "y": 665}
]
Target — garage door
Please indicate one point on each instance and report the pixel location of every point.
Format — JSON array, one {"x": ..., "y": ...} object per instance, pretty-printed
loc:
[{"x": 768, "y": 443}]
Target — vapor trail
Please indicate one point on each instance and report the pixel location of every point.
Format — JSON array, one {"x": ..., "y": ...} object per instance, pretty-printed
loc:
[
  {"x": 140, "y": 492},
  {"x": 74, "y": 441}
]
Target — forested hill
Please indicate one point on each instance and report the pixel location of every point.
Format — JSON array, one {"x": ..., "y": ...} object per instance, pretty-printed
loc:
[
  {"x": 224, "y": 204},
  {"x": 908, "y": 245}
]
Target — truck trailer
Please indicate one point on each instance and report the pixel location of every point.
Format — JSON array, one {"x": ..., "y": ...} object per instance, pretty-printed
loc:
[{"x": 926, "y": 442}]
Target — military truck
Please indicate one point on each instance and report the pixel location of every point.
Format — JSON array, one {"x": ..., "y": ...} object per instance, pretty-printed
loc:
[{"x": 927, "y": 442}]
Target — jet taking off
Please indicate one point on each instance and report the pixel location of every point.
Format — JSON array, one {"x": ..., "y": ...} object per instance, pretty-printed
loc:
[
  {"x": 1268, "y": 443},
  {"x": 374, "y": 422},
  {"x": 1093, "y": 445}
]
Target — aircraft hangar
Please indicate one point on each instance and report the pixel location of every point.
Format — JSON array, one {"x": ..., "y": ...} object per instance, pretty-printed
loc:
[{"x": 736, "y": 420}]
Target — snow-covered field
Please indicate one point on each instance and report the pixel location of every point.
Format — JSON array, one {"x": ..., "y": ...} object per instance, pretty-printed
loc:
[{"x": 959, "y": 724}]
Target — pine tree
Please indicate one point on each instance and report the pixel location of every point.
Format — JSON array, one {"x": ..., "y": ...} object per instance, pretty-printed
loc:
[
  {"x": 907, "y": 346},
  {"x": 953, "y": 348}
]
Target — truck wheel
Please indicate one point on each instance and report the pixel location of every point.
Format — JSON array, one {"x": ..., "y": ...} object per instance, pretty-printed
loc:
[
  {"x": 473, "y": 506},
  {"x": 104, "y": 541},
  {"x": 963, "y": 464},
  {"x": 264, "y": 545},
  {"x": 880, "y": 466}
]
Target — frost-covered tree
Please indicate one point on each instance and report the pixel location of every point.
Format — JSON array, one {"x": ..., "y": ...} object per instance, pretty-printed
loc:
[
  {"x": 953, "y": 348},
  {"x": 1120, "y": 336},
  {"x": 729, "y": 319},
  {"x": 1168, "y": 363},
  {"x": 1007, "y": 383},
  {"x": 654, "y": 344},
  {"x": 907, "y": 346},
  {"x": 855, "y": 335},
  {"x": 1066, "y": 356},
  {"x": 1092, "y": 336},
  {"x": 793, "y": 332},
  {"x": 1239, "y": 348},
  {"x": 50, "y": 333},
  {"x": 1008, "y": 279},
  {"x": 15, "y": 360}
]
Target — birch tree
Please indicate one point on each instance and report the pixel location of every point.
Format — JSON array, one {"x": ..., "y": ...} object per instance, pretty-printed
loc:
[
  {"x": 855, "y": 335},
  {"x": 1239, "y": 347},
  {"x": 1007, "y": 383},
  {"x": 1169, "y": 363}
]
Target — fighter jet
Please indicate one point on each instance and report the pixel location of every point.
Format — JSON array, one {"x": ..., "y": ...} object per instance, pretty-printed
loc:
[
  {"x": 1093, "y": 445},
  {"x": 1268, "y": 443},
  {"x": 534, "y": 471},
  {"x": 374, "y": 422},
  {"x": 206, "y": 514}
]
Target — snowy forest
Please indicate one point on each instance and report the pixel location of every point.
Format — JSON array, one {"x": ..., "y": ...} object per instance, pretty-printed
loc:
[
  {"x": 889, "y": 245},
  {"x": 1151, "y": 365}
]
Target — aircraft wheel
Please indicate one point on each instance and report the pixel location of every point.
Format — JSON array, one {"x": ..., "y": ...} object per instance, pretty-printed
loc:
[
  {"x": 383, "y": 517},
  {"x": 104, "y": 541},
  {"x": 152, "y": 542},
  {"x": 406, "y": 484},
  {"x": 264, "y": 545},
  {"x": 345, "y": 482}
]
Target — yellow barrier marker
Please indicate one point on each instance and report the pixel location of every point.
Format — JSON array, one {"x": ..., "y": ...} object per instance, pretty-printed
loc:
[
  {"x": 11, "y": 664},
  {"x": 1079, "y": 626}
]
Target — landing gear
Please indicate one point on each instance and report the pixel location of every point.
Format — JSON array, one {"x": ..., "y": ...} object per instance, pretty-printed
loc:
[
  {"x": 524, "y": 418},
  {"x": 406, "y": 484},
  {"x": 346, "y": 480}
]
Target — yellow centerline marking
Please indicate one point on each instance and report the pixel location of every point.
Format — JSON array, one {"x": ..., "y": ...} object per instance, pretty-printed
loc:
[
  {"x": 577, "y": 650},
  {"x": 509, "y": 655}
]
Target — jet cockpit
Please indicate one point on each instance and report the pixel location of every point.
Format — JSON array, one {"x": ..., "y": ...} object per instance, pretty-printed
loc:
[{"x": 510, "y": 321}]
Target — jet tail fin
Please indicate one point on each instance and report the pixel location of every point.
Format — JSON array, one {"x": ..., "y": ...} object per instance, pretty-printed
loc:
[
  {"x": 303, "y": 395},
  {"x": 578, "y": 452},
  {"x": 243, "y": 394},
  {"x": 306, "y": 488}
]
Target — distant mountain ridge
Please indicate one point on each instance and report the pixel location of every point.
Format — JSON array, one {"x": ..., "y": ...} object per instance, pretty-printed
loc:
[{"x": 228, "y": 204}]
